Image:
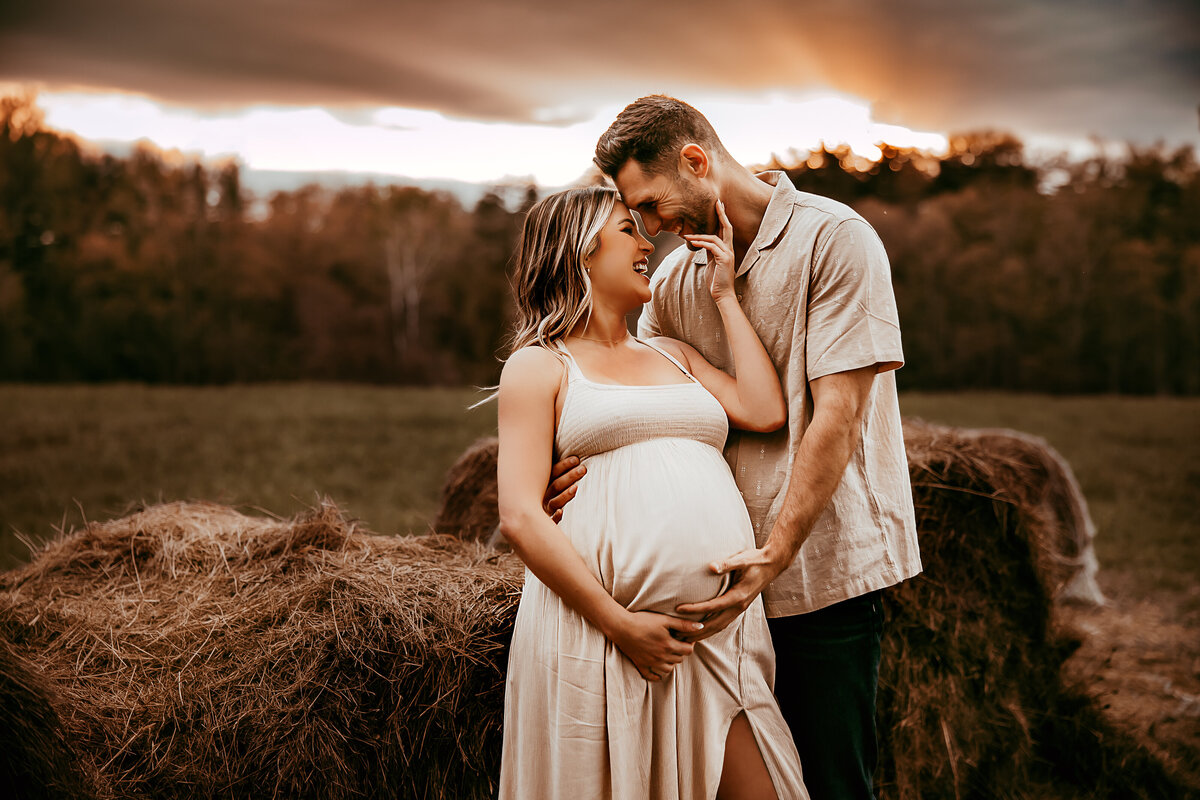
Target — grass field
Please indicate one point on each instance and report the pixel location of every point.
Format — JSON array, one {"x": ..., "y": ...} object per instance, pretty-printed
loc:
[
  {"x": 72, "y": 451},
  {"x": 67, "y": 452}
]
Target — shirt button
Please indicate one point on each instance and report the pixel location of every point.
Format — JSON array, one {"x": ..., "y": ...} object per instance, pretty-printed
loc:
[{"x": 739, "y": 297}]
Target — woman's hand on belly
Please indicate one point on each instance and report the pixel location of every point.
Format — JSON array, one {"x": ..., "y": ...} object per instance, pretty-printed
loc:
[{"x": 646, "y": 639}]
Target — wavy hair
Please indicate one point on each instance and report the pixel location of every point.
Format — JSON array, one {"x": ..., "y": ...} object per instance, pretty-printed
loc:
[
  {"x": 550, "y": 281},
  {"x": 651, "y": 131}
]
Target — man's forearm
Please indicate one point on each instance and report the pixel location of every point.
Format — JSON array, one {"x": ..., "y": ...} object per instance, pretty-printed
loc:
[
  {"x": 820, "y": 462},
  {"x": 831, "y": 438}
]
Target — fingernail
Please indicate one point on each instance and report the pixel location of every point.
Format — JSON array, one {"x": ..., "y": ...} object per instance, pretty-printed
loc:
[{"x": 699, "y": 626}]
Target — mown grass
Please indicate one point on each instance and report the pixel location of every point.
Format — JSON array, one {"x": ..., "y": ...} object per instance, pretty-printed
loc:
[
  {"x": 381, "y": 453},
  {"x": 72, "y": 451}
]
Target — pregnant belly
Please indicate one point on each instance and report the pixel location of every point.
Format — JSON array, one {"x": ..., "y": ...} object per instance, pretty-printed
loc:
[{"x": 666, "y": 511}]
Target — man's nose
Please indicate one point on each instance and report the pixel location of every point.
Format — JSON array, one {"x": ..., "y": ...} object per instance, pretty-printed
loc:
[{"x": 652, "y": 224}]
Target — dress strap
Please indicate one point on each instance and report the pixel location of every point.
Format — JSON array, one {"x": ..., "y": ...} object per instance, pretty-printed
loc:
[
  {"x": 670, "y": 358},
  {"x": 573, "y": 370}
]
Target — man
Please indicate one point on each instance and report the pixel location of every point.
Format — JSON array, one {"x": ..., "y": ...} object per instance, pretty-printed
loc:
[{"x": 828, "y": 495}]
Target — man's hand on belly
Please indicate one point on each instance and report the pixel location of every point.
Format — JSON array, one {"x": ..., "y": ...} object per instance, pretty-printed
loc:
[{"x": 752, "y": 570}]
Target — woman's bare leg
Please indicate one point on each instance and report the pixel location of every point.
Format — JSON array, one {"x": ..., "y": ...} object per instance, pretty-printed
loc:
[{"x": 744, "y": 775}]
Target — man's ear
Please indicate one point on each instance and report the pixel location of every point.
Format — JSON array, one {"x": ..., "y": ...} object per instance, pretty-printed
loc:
[{"x": 694, "y": 160}]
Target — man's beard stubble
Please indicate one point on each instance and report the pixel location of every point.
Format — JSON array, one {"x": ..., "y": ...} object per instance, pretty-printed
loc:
[{"x": 698, "y": 210}]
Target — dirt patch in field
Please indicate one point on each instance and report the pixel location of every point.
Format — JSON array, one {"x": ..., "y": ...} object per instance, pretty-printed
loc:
[{"x": 1140, "y": 658}]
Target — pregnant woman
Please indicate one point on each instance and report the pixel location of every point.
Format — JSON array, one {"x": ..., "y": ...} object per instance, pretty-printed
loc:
[{"x": 605, "y": 697}]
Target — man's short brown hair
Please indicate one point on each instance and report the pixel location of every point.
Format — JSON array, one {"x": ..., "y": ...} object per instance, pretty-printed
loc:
[{"x": 652, "y": 131}]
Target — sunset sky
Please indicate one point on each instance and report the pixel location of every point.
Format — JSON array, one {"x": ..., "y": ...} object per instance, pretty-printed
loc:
[{"x": 477, "y": 90}]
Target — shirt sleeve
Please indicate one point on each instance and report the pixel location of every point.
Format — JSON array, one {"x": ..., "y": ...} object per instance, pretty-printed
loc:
[{"x": 852, "y": 317}]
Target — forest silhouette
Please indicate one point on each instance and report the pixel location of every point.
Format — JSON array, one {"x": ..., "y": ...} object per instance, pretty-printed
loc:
[{"x": 1061, "y": 276}]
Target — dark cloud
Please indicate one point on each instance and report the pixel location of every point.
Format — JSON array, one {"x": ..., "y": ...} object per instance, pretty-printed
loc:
[
  {"x": 223, "y": 53},
  {"x": 1116, "y": 68}
]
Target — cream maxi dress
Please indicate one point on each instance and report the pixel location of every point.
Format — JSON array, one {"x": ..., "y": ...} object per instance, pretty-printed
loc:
[{"x": 658, "y": 504}]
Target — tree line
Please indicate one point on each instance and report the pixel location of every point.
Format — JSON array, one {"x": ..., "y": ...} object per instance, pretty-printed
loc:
[{"x": 1065, "y": 276}]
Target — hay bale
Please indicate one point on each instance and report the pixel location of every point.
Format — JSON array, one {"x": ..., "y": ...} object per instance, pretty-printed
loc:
[
  {"x": 972, "y": 699},
  {"x": 1032, "y": 475},
  {"x": 202, "y": 653},
  {"x": 37, "y": 760},
  {"x": 469, "y": 507}
]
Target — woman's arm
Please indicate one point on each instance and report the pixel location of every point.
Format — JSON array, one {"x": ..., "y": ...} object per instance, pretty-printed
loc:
[
  {"x": 754, "y": 399},
  {"x": 528, "y": 389}
]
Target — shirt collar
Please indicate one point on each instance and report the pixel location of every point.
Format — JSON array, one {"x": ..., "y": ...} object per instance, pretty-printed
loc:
[
  {"x": 779, "y": 209},
  {"x": 774, "y": 221}
]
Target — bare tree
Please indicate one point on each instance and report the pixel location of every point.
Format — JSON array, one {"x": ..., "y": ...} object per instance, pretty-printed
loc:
[{"x": 418, "y": 235}]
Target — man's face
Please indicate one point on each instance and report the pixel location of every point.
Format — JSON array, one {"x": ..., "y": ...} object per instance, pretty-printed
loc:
[{"x": 678, "y": 202}]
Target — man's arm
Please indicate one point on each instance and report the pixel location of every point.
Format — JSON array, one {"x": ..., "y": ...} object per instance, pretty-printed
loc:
[
  {"x": 852, "y": 334},
  {"x": 839, "y": 402}
]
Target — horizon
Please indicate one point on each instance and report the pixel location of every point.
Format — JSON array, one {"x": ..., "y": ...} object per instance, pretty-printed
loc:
[{"x": 836, "y": 123}]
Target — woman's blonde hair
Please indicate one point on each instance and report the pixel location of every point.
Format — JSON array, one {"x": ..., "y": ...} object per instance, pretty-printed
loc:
[{"x": 550, "y": 281}]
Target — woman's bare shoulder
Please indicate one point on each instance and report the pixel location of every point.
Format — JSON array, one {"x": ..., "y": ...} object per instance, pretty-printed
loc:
[
  {"x": 681, "y": 350},
  {"x": 533, "y": 366}
]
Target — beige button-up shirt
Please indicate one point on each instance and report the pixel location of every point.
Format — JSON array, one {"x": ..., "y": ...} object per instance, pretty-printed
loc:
[{"x": 817, "y": 287}]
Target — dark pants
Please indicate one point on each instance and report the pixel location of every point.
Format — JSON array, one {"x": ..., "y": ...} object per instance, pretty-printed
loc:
[{"x": 827, "y": 670}]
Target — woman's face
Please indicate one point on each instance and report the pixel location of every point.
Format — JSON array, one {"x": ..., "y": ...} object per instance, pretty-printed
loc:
[{"x": 619, "y": 269}]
